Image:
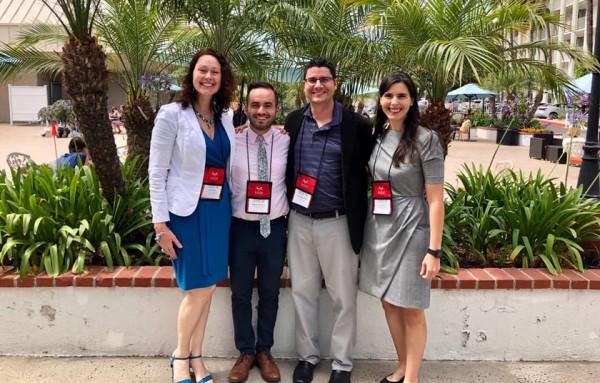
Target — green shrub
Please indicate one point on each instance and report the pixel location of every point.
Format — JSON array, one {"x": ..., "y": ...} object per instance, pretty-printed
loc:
[
  {"x": 509, "y": 219},
  {"x": 480, "y": 119},
  {"x": 57, "y": 221}
]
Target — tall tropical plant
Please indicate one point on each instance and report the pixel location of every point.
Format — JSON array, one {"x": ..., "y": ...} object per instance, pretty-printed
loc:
[
  {"x": 143, "y": 40},
  {"x": 442, "y": 42},
  {"x": 305, "y": 29},
  {"x": 233, "y": 27},
  {"x": 86, "y": 81}
]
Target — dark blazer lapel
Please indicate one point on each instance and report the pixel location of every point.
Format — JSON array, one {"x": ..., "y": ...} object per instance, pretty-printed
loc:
[{"x": 348, "y": 142}]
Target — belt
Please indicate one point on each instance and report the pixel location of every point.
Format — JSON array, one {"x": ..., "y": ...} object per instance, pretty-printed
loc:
[{"x": 324, "y": 215}]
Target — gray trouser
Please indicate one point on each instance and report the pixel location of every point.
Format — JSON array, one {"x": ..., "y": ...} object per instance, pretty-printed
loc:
[{"x": 315, "y": 247}]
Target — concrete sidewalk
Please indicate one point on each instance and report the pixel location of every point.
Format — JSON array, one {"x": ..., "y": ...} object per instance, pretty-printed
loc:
[{"x": 156, "y": 370}]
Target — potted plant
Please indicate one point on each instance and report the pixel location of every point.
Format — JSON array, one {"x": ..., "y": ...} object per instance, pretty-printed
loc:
[{"x": 61, "y": 111}]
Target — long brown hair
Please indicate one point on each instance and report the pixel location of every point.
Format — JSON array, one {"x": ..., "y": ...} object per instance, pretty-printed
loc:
[
  {"x": 221, "y": 100},
  {"x": 408, "y": 147}
]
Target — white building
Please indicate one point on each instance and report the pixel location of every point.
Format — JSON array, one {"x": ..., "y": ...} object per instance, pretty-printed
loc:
[{"x": 573, "y": 13}]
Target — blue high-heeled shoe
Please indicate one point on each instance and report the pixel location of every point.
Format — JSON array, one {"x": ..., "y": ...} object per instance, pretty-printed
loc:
[
  {"x": 208, "y": 377},
  {"x": 172, "y": 360}
]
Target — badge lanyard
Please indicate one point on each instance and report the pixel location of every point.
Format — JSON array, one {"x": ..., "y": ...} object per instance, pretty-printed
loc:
[
  {"x": 258, "y": 193},
  {"x": 305, "y": 184},
  {"x": 214, "y": 177},
  {"x": 381, "y": 190}
]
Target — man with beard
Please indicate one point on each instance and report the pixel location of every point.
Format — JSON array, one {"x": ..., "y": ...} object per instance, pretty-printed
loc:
[{"x": 258, "y": 231}]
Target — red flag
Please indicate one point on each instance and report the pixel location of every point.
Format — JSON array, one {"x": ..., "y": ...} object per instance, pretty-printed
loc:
[{"x": 54, "y": 131}]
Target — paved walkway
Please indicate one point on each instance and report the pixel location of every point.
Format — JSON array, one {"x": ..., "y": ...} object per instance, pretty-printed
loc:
[
  {"x": 156, "y": 370},
  {"x": 28, "y": 139}
]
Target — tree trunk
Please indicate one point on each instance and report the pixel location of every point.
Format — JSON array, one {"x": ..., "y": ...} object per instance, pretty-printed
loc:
[
  {"x": 86, "y": 82},
  {"x": 437, "y": 118},
  {"x": 536, "y": 102},
  {"x": 139, "y": 120},
  {"x": 589, "y": 25}
]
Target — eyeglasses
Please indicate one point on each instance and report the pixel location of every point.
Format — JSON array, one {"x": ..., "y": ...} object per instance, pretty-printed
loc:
[{"x": 322, "y": 80}]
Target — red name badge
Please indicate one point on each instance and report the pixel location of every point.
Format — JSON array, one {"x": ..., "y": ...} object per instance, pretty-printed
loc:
[
  {"x": 305, "y": 188},
  {"x": 212, "y": 187},
  {"x": 382, "y": 197},
  {"x": 258, "y": 197}
]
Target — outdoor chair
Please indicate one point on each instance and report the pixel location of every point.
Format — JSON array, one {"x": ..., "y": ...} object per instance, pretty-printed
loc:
[
  {"x": 464, "y": 131},
  {"x": 18, "y": 161}
]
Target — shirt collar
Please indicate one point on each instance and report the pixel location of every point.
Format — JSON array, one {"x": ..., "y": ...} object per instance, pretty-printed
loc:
[
  {"x": 253, "y": 137},
  {"x": 337, "y": 113}
]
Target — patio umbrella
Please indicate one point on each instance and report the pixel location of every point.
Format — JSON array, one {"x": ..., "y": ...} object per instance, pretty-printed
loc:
[
  {"x": 584, "y": 83},
  {"x": 6, "y": 59},
  {"x": 471, "y": 91}
]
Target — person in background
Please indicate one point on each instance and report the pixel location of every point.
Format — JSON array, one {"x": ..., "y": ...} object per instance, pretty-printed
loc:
[
  {"x": 115, "y": 120},
  {"x": 403, "y": 231},
  {"x": 189, "y": 175},
  {"x": 78, "y": 151},
  {"x": 239, "y": 115},
  {"x": 257, "y": 241}
]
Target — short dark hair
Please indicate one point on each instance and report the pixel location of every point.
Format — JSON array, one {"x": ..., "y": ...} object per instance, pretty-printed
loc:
[
  {"x": 77, "y": 144},
  {"x": 261, "y": 85},
  {"x": 222, "y": 98},
  {"x": 320, "y": 62}
]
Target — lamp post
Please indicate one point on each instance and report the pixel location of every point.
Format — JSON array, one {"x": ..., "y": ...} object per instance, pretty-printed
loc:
[{"x": 588, "y": 174}]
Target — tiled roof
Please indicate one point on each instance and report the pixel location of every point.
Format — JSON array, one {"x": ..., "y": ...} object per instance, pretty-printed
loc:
[{"x": 16, "y": 12}]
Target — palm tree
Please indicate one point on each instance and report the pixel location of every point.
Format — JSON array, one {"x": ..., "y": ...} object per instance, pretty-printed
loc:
[
  {"x": 142, "y": 39},
  {"x": 441, "y": 42},
  {"x": 232, "y": 27},
  {"x": 86, "y": 80},
  {"x": 305, "y": 29}
]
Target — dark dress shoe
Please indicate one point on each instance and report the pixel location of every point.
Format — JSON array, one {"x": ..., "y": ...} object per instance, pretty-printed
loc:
[
  {"x": 303, "y": 373},
  {"x": 268, "y": 368},
  {"x": 338, "y": 376},
  {"x": 241, "y": 369},
  {"x": 386, "y": 380}
]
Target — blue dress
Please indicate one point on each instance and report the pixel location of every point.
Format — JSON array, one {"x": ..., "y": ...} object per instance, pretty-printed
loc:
[{"x": 202, "y": 262}]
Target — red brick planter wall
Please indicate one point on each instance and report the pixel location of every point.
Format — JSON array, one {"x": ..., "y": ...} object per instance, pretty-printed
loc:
[{"x": 157, "y": 276}]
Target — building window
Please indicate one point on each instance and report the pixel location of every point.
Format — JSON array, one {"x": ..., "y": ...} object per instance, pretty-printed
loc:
[
  {"x": 581, "y": 13},
  {"x": 579, "y": 42}
]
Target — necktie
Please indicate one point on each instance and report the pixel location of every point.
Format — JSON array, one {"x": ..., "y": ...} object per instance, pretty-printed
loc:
[{"x": 265, "y": 224}]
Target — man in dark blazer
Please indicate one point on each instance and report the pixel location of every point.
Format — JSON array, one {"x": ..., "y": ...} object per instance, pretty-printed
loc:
[{"x": 327, "y": 186}]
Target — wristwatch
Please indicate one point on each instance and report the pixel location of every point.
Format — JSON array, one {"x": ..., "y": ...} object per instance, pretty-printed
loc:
[{"x": 435, "y": 253}]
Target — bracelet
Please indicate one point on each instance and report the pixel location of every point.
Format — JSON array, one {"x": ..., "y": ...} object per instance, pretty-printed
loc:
[{"x": 158, "y": 235}]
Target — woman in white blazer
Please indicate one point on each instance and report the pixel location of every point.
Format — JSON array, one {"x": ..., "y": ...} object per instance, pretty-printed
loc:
[{"x": 192, "y": 142}]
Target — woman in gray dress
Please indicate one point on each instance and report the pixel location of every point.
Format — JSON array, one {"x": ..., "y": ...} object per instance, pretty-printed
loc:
[{"x": 403, "y": 232}]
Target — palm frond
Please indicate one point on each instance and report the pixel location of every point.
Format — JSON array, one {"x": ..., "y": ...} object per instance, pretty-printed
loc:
[
  {"x": 28, "y": 59},
  {"x": 78, "y": 16}
]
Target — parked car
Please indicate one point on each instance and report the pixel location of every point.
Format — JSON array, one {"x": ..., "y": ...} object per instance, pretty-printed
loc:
[{"x": 550, "y": 111}]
